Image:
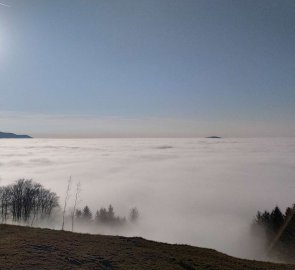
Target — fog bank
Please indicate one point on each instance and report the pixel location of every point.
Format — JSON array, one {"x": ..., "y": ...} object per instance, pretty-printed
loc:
[{"x": 203, "y": 192}]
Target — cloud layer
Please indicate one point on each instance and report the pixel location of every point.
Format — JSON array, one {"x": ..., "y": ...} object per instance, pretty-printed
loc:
[{"x": 202, "y": 192}]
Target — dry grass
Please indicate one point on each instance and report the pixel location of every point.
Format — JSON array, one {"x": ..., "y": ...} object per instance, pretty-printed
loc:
[{"x": 32, "y": 248}]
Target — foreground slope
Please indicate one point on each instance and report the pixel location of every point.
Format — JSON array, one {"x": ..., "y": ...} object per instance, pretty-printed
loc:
[{"x": 32, "y": 248}]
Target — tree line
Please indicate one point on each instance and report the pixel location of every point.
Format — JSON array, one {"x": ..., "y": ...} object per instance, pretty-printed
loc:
[
  {"x": 105, "y": 216},
  {"x": 27, "y": 202},
  {"x": 84, "y": 216},
  {"x": 278, "y": 229}
]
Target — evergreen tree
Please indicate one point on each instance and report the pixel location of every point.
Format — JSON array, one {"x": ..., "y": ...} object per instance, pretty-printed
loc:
[
  {"x": 78, "y": 214},
  {"x": 86, "y": 214},
  {"x": 277, "y": 219},
  {"x": 280, "y": 232},
  {"x": 111, "y": 214},
  {"x": 133, "y": 215}
]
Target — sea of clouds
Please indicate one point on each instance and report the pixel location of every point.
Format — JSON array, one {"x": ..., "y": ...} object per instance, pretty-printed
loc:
[{"x": 203, "y": 192}]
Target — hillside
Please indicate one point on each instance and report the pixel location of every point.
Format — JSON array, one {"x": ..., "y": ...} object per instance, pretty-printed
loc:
[
  {"x": 4, "y": 135},
  {"x": 32, "y": 248}
]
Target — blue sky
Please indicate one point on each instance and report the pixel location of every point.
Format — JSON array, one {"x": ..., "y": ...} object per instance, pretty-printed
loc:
[{"x": 147, "y": 68}]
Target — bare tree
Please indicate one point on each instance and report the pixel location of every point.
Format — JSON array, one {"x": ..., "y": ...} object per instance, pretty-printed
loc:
[
  {"x": 43, "y": 203},
  {"x": 24, "y": 200},
  {"x": 5, "y": 200},
  {"x": 77, "y": 196},
  {"x": 66, "y": 201}
]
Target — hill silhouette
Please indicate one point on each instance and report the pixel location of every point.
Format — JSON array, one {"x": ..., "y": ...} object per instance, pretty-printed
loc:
[{"x": 4, "y": 135}]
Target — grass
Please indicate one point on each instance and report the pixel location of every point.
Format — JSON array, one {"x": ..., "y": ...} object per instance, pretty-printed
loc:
[{"x": 33, "y": 248}]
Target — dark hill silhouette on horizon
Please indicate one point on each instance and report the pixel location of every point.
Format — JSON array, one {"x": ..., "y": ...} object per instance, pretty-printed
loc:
[
  {"x": 213, "y": 137},
  {"x": 4, "y": 135}
]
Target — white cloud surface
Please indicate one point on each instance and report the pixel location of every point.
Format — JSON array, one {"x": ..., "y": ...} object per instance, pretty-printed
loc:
[{"x": 203, "y": 192}]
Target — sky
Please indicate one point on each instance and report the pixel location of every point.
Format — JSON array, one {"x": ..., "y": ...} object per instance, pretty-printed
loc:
[{"x": 148, "y": 68}]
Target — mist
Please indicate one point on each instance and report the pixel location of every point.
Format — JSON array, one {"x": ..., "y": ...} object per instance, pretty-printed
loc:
[{"x": 202, "y": 192}]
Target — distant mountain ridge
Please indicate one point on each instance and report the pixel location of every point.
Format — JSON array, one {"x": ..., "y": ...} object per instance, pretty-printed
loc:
[{"x": 4, "y": 135}]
